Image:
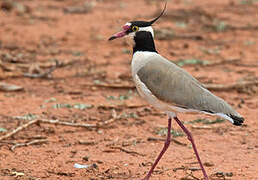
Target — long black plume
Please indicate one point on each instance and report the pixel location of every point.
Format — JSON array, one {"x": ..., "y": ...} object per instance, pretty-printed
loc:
[{"x": 153, "y": 21}]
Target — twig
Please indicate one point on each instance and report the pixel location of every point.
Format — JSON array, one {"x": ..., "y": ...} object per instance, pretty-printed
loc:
[
  {"x": 36, "y": 141},
  {"x": 46, "y": 74},
  {"x": 7, "y": 142},
  {"x": 18, "y": 129},
  {"x": 127, "y": 151},
  {"x": 57, "y": 122},
  {"x": 160, "y": 139},
  {"x": 238, "y": 85},
  {"x": 88, "y": 126}
]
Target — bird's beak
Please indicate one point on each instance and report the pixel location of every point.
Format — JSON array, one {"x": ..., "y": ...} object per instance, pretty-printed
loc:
[{"x": 121, "y": 33}]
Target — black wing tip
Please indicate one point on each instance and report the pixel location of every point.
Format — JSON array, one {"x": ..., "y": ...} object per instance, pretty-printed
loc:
[{"x": 238, "y": 121}]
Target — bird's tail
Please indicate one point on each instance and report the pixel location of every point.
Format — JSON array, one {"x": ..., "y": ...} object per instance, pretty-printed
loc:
[{"x": 236, "y": 120}]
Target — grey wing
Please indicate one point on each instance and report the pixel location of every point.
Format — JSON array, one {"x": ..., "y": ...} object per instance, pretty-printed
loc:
[{"x": 175, "y": 86}]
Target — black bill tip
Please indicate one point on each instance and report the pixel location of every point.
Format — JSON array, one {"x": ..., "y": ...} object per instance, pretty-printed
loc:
[{"x": 112, "y": 38}]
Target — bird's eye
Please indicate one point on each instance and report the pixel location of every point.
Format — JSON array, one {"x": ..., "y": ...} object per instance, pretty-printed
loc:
[{"x": 135, "y": 28}]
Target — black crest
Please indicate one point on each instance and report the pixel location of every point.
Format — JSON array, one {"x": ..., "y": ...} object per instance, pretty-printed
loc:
[{"x": 146, "y": 23}]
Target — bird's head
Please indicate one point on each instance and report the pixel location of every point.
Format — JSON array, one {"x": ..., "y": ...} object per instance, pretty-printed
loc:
[{"x": 131, "y": 28}]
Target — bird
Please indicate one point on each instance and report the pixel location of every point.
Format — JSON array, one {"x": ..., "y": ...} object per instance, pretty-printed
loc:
[{"x": 168, "y": 87}]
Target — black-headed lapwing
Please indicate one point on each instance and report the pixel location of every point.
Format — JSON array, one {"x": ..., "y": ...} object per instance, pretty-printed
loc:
[{"x": 168, "y": 87}]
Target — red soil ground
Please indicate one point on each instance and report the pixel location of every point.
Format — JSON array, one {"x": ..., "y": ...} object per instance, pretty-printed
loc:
[{"x": 34, "y": 33}]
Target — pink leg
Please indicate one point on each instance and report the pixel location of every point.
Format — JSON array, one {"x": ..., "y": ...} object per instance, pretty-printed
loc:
[
  {"x": 190, "y": 137},
  {"x": 166, "y": 145}
]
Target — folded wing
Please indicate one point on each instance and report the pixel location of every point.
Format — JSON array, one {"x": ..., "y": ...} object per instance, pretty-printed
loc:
[{"x": 173, "y": 85}]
